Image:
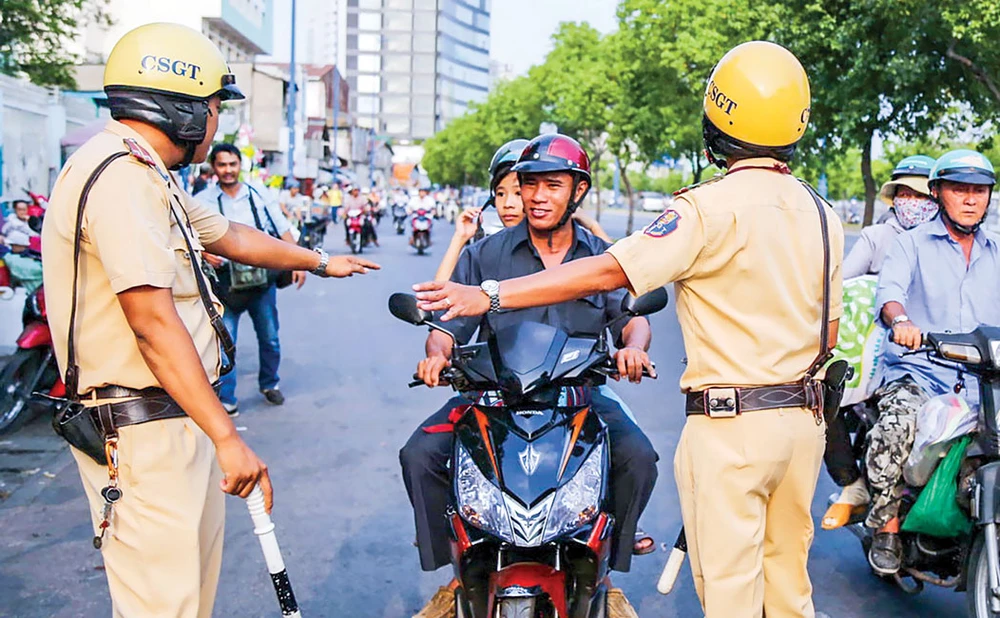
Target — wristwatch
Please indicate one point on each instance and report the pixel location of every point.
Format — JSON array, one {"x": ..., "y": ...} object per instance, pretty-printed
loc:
[
  {"x": 899, "y": 319},
  {"x": 324, "y": 259},
  {"x": 491, "y": 287}
]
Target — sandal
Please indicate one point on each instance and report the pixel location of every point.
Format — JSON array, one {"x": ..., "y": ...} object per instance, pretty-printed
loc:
[{"x": 644, "y": 544}]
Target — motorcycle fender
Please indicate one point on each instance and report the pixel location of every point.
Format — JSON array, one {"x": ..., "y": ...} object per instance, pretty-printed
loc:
[
  {"x": 58, "y": 389},
  {"x": 35, "y": 335},
  {"x": 986, "y": 501},
  {"x": 528, "y": 579}
]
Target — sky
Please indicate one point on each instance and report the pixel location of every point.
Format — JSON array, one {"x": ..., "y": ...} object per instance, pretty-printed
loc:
[{"x": 521, "y": 29}]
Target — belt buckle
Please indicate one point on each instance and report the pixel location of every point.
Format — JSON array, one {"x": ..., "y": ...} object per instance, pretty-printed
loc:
[{"x": 722, "y": 402}]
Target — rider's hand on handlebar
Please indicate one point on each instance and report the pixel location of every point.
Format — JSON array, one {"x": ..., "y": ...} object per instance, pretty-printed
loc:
[
  {"x": 907, "y": 334},
  {"x": 631, "y": 362},
  {"x": 429, "y": 370}
]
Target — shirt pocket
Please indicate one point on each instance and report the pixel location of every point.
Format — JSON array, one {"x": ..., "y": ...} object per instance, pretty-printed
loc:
[{"x": 185, "y": 285}]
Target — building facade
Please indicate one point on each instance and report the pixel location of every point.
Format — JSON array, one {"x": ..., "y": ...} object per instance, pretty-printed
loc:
[{"x": 412, "y": 65}]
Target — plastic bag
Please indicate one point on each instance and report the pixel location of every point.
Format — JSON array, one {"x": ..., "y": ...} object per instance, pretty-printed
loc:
[
  {"x": 936, "y": 512},
  {"x": 940, "y": 421},
  {"x": 860, "y": 339}
]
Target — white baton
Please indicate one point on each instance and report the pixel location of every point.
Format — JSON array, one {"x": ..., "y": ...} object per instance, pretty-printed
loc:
[
  {"x": 673, "y": 566},
  {"x": 263, "y": 527}
]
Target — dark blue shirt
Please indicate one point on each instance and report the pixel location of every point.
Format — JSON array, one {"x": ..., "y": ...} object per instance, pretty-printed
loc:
[{"x": 509, "y": 254}]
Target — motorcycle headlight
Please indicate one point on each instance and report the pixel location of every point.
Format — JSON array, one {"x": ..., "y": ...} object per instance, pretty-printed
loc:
[
  {"x": 578, "y": 501},
  {"x": 480, "y": 502}
]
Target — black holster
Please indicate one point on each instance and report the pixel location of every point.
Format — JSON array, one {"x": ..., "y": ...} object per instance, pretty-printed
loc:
[{"x": 837, "y": 374}]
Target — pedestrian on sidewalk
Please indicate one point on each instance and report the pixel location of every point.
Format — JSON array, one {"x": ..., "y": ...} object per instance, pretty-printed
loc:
[
  {"x": 248, "y": 290},
  {"x": 136, "y": 329}
]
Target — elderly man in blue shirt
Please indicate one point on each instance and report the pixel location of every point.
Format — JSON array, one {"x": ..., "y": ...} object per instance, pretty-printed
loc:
[
  {"x": 940, "y": 276},
  {"x": 242, "y": 203}
]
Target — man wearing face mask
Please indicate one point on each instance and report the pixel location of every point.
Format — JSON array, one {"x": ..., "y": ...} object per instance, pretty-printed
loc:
[
  {"x": 911, "y": 204},
  {"x": 938, "y": 277}
]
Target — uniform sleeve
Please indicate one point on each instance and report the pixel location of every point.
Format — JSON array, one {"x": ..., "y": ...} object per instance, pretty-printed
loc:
[
  {"x": 859, "y": 261},
  {"x": 896, "y": 274},
  {"x": 836, "y": 266},
  {"x": 127, "y": 220},
  {"x": 665, "y": 251},
  {"x": 208, "y": 222}
]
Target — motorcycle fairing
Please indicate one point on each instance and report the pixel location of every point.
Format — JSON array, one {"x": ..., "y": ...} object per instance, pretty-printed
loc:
[{"x": 35, "y": 334}]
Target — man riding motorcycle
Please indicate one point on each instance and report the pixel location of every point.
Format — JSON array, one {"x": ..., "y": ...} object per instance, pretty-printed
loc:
[
  {"x": 554, "y": 172},
  {"x": 939, "y": 277}
]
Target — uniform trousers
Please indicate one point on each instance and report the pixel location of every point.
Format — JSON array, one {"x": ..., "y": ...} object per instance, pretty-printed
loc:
[
  {"x": 163, "y": 551},
  {"x": 746, "y": 485}
]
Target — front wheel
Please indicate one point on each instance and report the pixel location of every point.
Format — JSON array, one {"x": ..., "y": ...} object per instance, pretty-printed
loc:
[
  {"x": 517, "y": 607},
  {"x": 978, "y": 581},
  {"x": 355, "y": 243},
  {"x": 16, "y": 384}
]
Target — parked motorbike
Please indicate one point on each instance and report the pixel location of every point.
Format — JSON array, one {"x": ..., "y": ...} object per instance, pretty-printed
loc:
[
  {"x": 355, "y": 223},
  {"x": 313, "y": 232},
  {"x": 32, "y": 367},
  {"x": 399, "y": 218},
  {"x": 970, "y": 562},
  {"x": 421, "y": 238},
  {"x": 530, "y": 523}
]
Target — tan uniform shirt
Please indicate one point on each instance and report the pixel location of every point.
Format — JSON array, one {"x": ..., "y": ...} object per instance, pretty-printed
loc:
[
  {"x": 746, "y": 254},
  {"x": 130, "y": 239}
]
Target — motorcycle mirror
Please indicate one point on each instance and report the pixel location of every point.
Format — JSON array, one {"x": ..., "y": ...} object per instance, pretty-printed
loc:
[
  {"x": 404, "y": 307},
  {"x": 646, "y": 304}
]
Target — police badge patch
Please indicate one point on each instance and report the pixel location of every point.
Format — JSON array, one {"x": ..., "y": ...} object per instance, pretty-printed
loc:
[{"x": 664, "y": 224}]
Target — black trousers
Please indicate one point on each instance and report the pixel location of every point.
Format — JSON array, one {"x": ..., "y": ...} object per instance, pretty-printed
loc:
[
  {"x": 425, "y": 457},
  {"x": 839, "y": 455}
]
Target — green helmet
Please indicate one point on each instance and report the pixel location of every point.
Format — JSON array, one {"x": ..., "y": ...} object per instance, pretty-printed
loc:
[
  {"x": 966, "y": 166},
  {"x": 917, "y": 165},
  {"x": 503, "y": 159}
]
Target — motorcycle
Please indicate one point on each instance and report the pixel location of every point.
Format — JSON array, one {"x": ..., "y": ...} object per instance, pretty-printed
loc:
[
  {"x": 421, "y": 238},
  {"x": 529, "y": 521},
  {"x": 451, "y": 211},
  {"x": 355, "y": 223},
  {"x": 313, "y": 232},
  {"x": 969, "y": 563},
  {"x": 399, "y": 218},
  {"x": 32, "y": 367}
]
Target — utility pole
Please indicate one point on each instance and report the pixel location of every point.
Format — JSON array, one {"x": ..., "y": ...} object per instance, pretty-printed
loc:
[
  {"x": 292, "y": 96},
  {"x": 336, "y": 112}
]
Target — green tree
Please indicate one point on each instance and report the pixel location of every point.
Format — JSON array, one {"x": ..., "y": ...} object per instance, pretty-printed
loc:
[{"x": 34, "y": 33}]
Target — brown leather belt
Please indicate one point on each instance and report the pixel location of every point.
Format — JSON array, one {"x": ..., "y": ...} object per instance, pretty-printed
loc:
[
  {"x": 151, "y": 404},
  {"x": 729, "y": 401}
]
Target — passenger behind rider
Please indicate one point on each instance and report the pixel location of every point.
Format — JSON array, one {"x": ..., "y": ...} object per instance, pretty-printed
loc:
[
  {"x": 940, "y": 276},
  {"x": 911, "y": 204},
  {"x": 547, "y": 237}
]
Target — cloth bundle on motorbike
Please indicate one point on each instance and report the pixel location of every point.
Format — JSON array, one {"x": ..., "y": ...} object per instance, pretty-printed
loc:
[
  {"x": 861, "y": 338},
  {"x": 940, "y": 422},
  {"x": 936, "y": 512}
]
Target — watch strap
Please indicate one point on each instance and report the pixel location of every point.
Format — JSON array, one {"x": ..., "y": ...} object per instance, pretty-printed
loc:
[{"x": 324, "y": 259}]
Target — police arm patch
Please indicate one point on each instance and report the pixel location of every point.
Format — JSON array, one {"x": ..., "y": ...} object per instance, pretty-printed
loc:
[{"x": 664, "y": 225}]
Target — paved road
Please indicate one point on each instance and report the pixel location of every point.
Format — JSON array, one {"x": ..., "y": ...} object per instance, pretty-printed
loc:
[{"x": 343, "y": 519}]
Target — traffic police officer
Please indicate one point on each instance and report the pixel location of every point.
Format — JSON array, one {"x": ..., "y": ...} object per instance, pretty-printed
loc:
[
  {"x": 137, "y": 333},
  {"x": 745, "y": 253}
]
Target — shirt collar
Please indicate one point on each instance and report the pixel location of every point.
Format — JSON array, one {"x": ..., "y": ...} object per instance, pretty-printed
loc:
[
  {"x": 123, "y": 130},
  {"x": 935, "y": 227},
  {"x": 520, "y": 235},
  {"x": 765, "y": 162}
]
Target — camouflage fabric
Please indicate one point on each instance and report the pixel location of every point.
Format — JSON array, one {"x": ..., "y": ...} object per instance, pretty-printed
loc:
[{"x": 889, "y": 445}]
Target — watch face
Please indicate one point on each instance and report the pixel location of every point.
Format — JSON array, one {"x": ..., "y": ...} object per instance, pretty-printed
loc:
[{"x": 490, "y": 286}]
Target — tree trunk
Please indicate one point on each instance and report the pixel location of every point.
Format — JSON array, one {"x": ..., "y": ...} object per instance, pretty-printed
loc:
[
  {"x": 696, "y": 167},
  {"x": 631, "y": 200},
  {"x": 866, "y": 175},
  {"x": 597, "y": 191}
]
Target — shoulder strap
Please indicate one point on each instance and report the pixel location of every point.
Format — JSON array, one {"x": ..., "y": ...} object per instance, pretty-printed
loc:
[
  {"x": 72, "y": 369},
  {"x": 253, "y": 207},
  {"x": 824, "y": 352}
]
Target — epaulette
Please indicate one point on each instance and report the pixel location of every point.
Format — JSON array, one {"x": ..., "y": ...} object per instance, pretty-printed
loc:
[
  {"x": 684, "y": 190},
  {"x": 142, "y": 156}
]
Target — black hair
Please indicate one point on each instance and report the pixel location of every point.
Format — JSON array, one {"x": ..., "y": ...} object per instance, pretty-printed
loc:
[
  {"x": 721, "y": 147},
  {"x": 224, "y": 148}
]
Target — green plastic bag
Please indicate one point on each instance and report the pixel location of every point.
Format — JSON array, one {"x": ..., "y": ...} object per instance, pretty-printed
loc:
[{"x": 936, "y": 512}]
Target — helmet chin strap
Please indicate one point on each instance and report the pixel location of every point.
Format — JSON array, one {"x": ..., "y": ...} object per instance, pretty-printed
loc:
[
  {"x": 965, "y": 230},
  {"x": 570, "y": 209}
]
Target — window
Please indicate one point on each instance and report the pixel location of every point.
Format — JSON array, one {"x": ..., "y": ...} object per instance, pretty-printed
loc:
[
  {"x": 482, "y": 21},
  {"x": 370, "y": 4},
  {"x": 397, "y": 127},
  {"x": 397, "y": 63},
  {"x": 427, "y": 5},
  {"x": 399, "y": 4},
  {"x": 368, "y": 105},
  {"x": 352, "y": 20},
  {"x": 368, "y": 84},
  {"x": 369, "y": 43},
  {"x": 423, "y": 84},
  {"x": 397, "y": 42},
  {"x": 423, "y": 42},
  {"x": 423, "y": 63},
  {"x": 396, "y": 105},
  {"x": 369, "y": 21},
  {"x": 423, "y": 105},
  {"x": 424, "y": 22},
  {"x": 423, "y": 127},
  {"x": 369, "y": 63},
  {"x": 398, "y": 21},
  {"x": 397, "y": 83}
]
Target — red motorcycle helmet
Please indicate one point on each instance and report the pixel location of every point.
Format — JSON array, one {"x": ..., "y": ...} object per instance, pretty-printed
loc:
[{"x": 554, "y": 152}]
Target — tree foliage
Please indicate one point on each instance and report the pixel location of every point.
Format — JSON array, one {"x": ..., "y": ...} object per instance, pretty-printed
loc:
[{"x": 34, "y": 34}]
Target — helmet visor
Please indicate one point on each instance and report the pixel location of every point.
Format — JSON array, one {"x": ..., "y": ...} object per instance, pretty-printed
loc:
[
  {"x": 968, "y": 175},
  {"x": 229, "y": 90}
]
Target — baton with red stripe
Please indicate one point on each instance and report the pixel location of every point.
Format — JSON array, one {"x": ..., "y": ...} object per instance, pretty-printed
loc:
[{"x": 263, "y": 527}]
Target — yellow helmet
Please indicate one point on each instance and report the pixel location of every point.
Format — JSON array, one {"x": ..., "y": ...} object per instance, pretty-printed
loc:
[
  {"x": 758, "y": 95},
  {"x": 170, "y": 59}
]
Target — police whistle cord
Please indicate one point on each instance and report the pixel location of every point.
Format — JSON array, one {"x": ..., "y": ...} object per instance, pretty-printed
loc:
[
  {"x": 673, "y": 567},
  {"x": 263, "y": 527}
]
